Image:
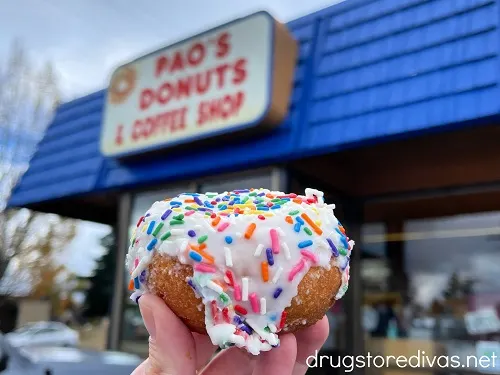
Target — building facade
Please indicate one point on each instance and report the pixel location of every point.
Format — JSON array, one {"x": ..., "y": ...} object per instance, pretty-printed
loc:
[{"x": 394, "y": 115}]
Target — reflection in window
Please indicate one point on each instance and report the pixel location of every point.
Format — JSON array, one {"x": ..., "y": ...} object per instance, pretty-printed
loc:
[
  {"x": 459, "y": 256},
  {"x": 433, "y": 280}
]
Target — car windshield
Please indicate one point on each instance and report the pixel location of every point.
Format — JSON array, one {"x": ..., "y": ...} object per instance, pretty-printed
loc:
[
  {"x": 25, "y": 328},
  {"x": 32, "y": 328}
]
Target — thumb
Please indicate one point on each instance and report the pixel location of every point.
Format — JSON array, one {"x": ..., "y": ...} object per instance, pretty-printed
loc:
[{"x": 172, "y": 348}]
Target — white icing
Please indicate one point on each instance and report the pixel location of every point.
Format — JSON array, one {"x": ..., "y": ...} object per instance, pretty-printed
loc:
[
  {"x": 239, "y": 341},
  {"x": 274, "y": 241},
  {"x": 258, "y": 250},
  {"x": 134, "y": 296},
  {"x": 219, "y": 333},
  {"x": 311, "y": 193}
]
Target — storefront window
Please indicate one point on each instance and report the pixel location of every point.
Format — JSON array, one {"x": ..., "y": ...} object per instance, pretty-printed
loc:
[
  {"x": 230, "y": 183},
  {"x": 432, "y": 285}
]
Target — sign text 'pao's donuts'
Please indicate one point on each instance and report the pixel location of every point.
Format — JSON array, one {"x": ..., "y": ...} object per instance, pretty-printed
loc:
[{"x": 232, "y": 80}]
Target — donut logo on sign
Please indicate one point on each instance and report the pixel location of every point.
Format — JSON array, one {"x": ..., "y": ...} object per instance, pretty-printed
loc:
[{"x": 122, "y": 84}]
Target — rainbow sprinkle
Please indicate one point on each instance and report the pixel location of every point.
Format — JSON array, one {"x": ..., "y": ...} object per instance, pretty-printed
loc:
[
  {"x": 195, "y": 256},
  {"x": 275, "y": 243},
  {"x": 269, "y": 255}
]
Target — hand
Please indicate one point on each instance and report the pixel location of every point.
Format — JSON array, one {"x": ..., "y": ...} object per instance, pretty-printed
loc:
[{"x": 174, "y": 350}]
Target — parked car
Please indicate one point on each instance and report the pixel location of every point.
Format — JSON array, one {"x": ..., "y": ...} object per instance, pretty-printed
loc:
[
  {"x": 47, "y": 360},
  {"x": 44, "y": 333}
]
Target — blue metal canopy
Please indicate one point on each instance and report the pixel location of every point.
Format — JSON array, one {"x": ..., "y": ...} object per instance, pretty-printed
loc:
[{"x": 367, "y": 70}]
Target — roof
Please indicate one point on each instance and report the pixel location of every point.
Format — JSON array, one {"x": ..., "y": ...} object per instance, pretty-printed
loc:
[{"x": 367, "y": 70}]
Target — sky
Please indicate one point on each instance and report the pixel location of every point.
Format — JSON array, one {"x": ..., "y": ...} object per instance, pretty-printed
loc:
[{"x": 86, "y": 40}]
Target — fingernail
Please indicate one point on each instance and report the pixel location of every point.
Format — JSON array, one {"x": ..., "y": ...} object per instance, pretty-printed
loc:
[{"x": 149, "y": 320}]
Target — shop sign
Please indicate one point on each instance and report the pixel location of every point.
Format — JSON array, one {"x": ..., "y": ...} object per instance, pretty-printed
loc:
[{"x": 236, "y": 78}]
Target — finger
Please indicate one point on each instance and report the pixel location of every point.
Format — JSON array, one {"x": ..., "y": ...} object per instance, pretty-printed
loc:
[
  {"x": 141, "y": 369},
  {"x": 280, "y": 360},
  {"x": 204, "y": 349},
  {"x": 232, "y": 360},
  {"x": 309, "y": 340},
  {"x": 164, "y": 328}
]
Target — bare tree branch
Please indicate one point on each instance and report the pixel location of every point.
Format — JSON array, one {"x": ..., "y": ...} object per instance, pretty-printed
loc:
[{"x": 27, "y": 101}]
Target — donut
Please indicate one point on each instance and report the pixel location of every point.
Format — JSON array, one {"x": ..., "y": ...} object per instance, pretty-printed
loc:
[
  {"x": 242, "y": 266},
  {"x": 122, "y": 84}
]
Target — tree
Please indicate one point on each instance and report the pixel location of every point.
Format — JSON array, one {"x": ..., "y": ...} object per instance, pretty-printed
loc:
[
  {"x": 27, "y": 100},
  {"x": 459, "y": 287},
  {"x": 468, "y": 287},
  {"x": 100, "y": 292},
  {"x": 46, "y": 273},
  {"x": 40, "y": 266},
  {"x": 453, "y": 290},
  {"x": 28, "y": 97}
]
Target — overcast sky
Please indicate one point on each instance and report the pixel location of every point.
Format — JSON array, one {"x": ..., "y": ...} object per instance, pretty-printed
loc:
[{"x": 86, "y": 39}]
